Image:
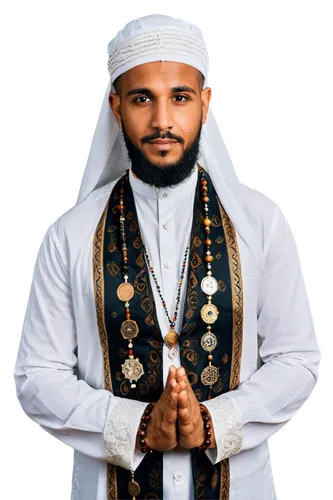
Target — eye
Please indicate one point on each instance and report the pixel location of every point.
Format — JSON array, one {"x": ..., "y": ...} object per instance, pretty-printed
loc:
[
  {"x": 140, "y": 97},
  {"x": 136, "y": 100}
]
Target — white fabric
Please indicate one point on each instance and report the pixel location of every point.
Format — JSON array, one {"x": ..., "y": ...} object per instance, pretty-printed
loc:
[{"x": 59, "y": 367}]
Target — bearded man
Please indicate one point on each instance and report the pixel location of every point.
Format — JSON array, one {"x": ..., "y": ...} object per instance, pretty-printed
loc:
[{"x": 168, "y": 333}]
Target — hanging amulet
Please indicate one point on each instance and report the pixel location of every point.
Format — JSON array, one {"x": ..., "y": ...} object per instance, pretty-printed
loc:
[
  {"x": 129, "y": 329},
  {"x": 133, "y": 488},
  {"x": 125, "y": 292},
  {"x": 132, "y": 369},
  {"x": 209, "y": 375},
  {"x": 209, "y": 313}
]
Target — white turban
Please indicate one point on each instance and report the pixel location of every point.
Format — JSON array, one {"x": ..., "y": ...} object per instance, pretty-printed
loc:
[{"x": 162, "y": 38}]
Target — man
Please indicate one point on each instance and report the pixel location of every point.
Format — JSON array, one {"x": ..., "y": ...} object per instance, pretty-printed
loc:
[{"x": 168, "y": 333}]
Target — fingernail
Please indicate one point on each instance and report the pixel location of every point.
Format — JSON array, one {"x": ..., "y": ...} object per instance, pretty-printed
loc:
[{"x": 181, "y": 371}]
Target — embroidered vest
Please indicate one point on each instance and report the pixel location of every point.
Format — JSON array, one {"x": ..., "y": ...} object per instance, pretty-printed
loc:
[{"x": 210, "y": 481}]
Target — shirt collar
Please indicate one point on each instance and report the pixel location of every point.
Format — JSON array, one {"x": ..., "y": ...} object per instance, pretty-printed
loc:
[{"x": 173, "y": 192}]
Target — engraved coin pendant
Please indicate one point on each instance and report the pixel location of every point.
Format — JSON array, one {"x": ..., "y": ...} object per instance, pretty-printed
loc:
[
  {"x": 209, "y": 285},
  {"x": 209, "y": 313},
  {"x": 210, "y": 375},
  {"x": 171, "y": 338},
  {"x": 208, "y": 341},
  {"x": 132, "y": 369},
  {"x": 133, "y": 488},
  {"x": 129, "y": 329},
  {"x": 125, "y": 292}
]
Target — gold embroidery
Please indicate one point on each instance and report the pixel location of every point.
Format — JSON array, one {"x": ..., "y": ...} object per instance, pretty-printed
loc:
[
  {"x": 137, "y": 242},
  {"x": 192, "y": 378},
  {"x": 193, "y": 280},
  {"x": 197, "y": 241},
  {"x": 222, "y": 286},
  {"x": 133, "y": 226},
  {"x": 196, "y": 260},
  {"x": 237, "y": 297},
  {"x": 191, "y": 356},
  {"x": 140, "y": 261},
  {"x": 98, "y": 274},
  {"x": 219, "y": 240},
  {"x": 215, "y": 221},
  {"x": 225, "y": 359},
  {"x": 237, "y": 326},
  {"x": 112, "y": 268}
]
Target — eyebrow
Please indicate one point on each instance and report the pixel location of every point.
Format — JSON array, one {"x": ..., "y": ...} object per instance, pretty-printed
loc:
[{"x": 174, "y": 90}]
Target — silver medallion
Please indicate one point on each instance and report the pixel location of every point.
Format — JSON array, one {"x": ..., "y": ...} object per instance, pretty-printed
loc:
[
  {"x": 209, "y": 285},
  {"x": 208, "y": 341},
  {"x": 132, "y": 369},
  {"x": 172, "y": 353}
]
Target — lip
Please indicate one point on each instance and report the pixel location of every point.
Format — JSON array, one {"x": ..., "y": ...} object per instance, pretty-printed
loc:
[{"x": 162, "y": 143}]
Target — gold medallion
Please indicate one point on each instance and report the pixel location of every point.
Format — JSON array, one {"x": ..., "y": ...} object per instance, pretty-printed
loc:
[
  {"x": 171, "y": 338},
  {"x": 209, "y": 285},
  {"x": 210, "y": 375},
  {"x": 133, "y": 488},
  {"x": 129, "y": 329},
  {"x": 209, "y": 313},
  {"x": 132, "y": 369},
  {"x": 125, "y": 291},
  {"x": 209, "y": 341}
]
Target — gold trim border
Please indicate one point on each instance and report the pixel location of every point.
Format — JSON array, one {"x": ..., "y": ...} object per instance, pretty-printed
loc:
[
  {"x": 98, "y": 274},
  {"x": 237, "y": 326}
]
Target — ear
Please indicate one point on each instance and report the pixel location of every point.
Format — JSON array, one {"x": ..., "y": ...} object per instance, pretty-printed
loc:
[
  {"x": 206, "y": 95},
  {"x": 114, "y": 102}
]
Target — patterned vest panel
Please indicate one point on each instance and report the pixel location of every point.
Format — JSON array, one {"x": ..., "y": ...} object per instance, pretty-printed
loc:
[{"x": 211, "y": 481}]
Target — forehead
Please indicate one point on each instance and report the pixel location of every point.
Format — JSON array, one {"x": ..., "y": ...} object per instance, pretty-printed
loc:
[{"x": 159, "y": 72}]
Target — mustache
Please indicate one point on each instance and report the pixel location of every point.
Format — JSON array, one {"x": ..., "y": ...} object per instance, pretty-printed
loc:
[{"x": 158, "y": 135}]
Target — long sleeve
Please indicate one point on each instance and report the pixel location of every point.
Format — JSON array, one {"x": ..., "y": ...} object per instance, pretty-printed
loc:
[
  {"x": 260, "y": 406},
  {"x": 92, "y": 421}
]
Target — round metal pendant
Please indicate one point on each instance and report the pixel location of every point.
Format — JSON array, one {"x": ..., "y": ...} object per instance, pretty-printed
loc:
[
  {"x": 210, "y": 375},
  {"x": 208, "y": 341},
  {"x": 133, "y": 488},
  {"x": 129, "y": 329},
  {"x": 209, "y": 313},
  {"x": 171, "y": 338},
  {"x": 125, "y": 292},
  {"x": 209, "y": 285},
  {"x": 132, "y": 369}
]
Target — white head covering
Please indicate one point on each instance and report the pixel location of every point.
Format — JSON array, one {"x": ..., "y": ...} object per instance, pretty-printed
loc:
[{"x": 161, "y": 38}]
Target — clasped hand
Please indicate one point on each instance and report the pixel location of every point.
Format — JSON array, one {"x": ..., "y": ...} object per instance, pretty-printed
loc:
[{"x": 176, "y": 418}]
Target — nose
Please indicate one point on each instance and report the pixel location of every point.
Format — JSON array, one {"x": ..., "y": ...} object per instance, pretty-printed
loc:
[{"x": 162, "y": 117}]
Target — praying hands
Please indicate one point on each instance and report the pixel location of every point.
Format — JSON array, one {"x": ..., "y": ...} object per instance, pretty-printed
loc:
[{"x": 176, "y": 418}]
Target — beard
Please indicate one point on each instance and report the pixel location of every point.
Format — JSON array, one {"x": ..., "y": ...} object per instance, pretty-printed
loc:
[{"x": 162, "y": 176}]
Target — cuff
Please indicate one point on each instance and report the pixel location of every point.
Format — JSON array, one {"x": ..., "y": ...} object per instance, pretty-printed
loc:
[
  {"x": 120, "y": 433},
  {"x": 228, "y": 428}
]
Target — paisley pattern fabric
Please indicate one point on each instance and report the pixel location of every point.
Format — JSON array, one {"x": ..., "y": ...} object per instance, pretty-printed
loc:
[{"x": 211, "y": 481}]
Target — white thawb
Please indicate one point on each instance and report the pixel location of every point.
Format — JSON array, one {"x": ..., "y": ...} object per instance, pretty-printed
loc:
[
  {"x": 280, "y": 354},
  {"x": 59, "y": 368}
]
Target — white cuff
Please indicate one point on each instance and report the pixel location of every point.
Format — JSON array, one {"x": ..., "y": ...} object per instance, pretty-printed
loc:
[
  {"x": 228, "y": 428},
  {"x": 120, "y": 433}
]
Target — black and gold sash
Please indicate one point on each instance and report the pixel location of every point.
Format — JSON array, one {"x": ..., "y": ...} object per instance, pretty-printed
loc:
[{"x": 211, "y": 481}]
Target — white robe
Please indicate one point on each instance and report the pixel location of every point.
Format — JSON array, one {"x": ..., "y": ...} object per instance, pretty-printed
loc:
[{"x": 59, "y": 368}]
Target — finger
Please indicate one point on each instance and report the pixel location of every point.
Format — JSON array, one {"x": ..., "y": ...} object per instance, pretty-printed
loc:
[
  {"x": 170, "y": 413},
  {"x": 184, "y": 420},
  {"x": 183, "y": 400},
  {"x": 181, "y": 374}
]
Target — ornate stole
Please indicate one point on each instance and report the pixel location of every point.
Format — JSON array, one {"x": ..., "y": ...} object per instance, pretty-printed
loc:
[{"x": 211, "y": 481}]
